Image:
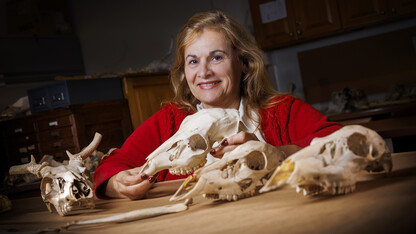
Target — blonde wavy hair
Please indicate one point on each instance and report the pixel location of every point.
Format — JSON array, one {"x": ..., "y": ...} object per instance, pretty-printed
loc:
[{"x": 256, "y": 87}]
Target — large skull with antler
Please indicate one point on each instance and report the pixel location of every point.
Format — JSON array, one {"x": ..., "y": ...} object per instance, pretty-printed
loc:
[
  {"x": 240, "y": 173},
  {"x": 64, "y": 186},
  {"x": 332, "y": 163},
  {"x": 187, "y": 149}
]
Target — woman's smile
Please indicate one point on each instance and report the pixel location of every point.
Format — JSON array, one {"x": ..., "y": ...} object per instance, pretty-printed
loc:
[{"x": 209, "y": 85}]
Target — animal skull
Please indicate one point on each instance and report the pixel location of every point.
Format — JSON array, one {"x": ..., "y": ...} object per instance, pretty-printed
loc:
[
  {"x": 64, "y": 186},
  {"x": 237, "y": 175},
  {"x": 332, "y": 163},
  {"x": 187, "y": 149}
]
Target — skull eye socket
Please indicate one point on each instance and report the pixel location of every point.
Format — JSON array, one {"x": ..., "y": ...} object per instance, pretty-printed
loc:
[
  {"x": 256, "y": 161},
  {"x": 197, "y": 142},
  {"x": 358, "y": 144}
]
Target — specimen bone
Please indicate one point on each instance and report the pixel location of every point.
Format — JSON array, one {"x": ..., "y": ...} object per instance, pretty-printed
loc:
[
  {"x": 187, "y": 149},
  {"x": 64, "y": 186},
  {"x": 136, "y": 214},
  {"x": 238, "y": 174},
  {"x": 333, "y": 163}
]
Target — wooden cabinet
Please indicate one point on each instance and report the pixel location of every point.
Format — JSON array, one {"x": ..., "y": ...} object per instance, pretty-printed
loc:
[
  {"x": 67, "y": 128},
  {"x": 315, "y": 18},
  {"x": 146, "y": 94},
  {"x": 305, "y": 19},
  {"x": 357, "y": 13},
  {"x": 310, "y": 19}
]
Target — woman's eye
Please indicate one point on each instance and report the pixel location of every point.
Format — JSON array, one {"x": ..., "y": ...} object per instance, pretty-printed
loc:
[
  {"x": 193, "y": 61},
  {"x": 217, "y": 57}
]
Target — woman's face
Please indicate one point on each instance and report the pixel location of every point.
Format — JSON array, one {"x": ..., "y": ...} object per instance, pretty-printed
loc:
[{"x": 213, "y": 70}]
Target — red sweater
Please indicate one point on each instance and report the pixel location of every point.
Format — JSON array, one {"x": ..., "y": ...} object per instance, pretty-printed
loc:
[{"x": 291, "y": 121}]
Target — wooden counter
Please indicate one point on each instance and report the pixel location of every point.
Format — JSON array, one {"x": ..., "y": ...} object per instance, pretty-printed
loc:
[{"x": 380, "y": 204}]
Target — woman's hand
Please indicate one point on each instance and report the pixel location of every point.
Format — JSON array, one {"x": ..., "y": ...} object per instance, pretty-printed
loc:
[
  {"x": 129, "y": 184},
  {"x": 235, "y": 140},
  {"x": 232, "y": 142}
]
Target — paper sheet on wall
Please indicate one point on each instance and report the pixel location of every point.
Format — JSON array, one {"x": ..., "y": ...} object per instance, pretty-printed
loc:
[{"x": 272, "y": 11}]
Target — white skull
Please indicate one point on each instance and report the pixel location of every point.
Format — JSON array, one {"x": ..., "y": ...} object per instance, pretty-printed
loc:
[
  {"x": 333, "y": 163},
  {"x": 187, "y": 149},
  {"x": 240, "y": 173},
  {"x": 64, "y": 186}
]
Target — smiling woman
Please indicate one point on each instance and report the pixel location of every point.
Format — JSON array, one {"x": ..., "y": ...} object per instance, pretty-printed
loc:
[
  {"x": 217, "y": 65},
  {"x": 213, "y": 70}
]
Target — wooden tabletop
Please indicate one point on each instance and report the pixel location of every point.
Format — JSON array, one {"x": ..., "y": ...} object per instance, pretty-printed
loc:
[{"x": 380, "y": 204}]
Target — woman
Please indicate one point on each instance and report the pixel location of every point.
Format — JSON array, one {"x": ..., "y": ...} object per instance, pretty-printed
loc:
[{"x": 217, "y": 64}]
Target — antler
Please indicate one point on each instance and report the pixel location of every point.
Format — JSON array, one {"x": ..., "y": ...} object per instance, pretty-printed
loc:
[
  {"x": 31, "y": 167},
  {"x": 87, "y": 151}
]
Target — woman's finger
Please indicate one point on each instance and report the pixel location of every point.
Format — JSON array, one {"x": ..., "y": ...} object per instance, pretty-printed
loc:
[
  {"x": 232, "y": 142},
  {"x": 138, "y": 191},
  {"x": 241, "y": 137}
]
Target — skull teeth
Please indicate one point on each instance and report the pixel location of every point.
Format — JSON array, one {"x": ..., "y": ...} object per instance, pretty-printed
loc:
[
  {"x": 227, "y": 197},
  {"x": 185, "y": 170},
  {"x": 335, "y": 189}
]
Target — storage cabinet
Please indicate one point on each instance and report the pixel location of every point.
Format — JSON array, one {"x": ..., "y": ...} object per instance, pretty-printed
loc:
[
  {"x": 146, "y": 93},
  {"x": 357, "y": 13},
  {"x": 310, "y": 19},
  {"x": 305, "y": 19},
  {"x": 67, "y": 128}
]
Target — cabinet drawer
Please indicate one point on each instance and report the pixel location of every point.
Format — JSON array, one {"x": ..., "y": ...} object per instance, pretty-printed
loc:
[
  {"x": 57, "y": 145},
  {"x": 54, "y": 134},
  {"x": 19, "y": 128},
  {"x": 55, "y": 122}
]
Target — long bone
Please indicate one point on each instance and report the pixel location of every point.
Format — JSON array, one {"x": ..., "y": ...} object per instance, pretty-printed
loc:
[
  {"x": 65, "y": 185},
  {"x": 333, "y": 163},
  {"x": 187, "y": 149},
  {"x": 240, "y": 173},
  {"x": 135, "y": 214}
]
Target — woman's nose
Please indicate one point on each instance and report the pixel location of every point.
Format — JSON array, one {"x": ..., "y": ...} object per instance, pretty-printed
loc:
[{"x": 204, "y": 70}]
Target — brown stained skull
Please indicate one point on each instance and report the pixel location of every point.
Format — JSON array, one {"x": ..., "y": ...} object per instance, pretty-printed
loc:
[
  {"x": 333, "y": 163},
  {"x": 240, "y": 173}
]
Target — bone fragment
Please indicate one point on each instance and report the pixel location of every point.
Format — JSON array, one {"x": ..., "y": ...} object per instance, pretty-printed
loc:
[{"x": 135, "y": 214}]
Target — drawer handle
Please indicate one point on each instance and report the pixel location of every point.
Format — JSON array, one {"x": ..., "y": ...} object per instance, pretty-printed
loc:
[
  {"x": 22, "y": 150},
  {"x": 53, "y": 124},
  {"x": 18, "y": 130},
  {"x": 39, "y": 102},
  {"x": 31, "y": 147},
  {"x": 58, "y": 97}
]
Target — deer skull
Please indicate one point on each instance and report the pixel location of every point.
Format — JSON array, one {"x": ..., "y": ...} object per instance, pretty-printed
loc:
[
  {"x": 332, "y": 163},
  {"x": 186, "y": 151},
  {"x": 237, "y": 175},
  {"x": 64, "y": 186}
]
